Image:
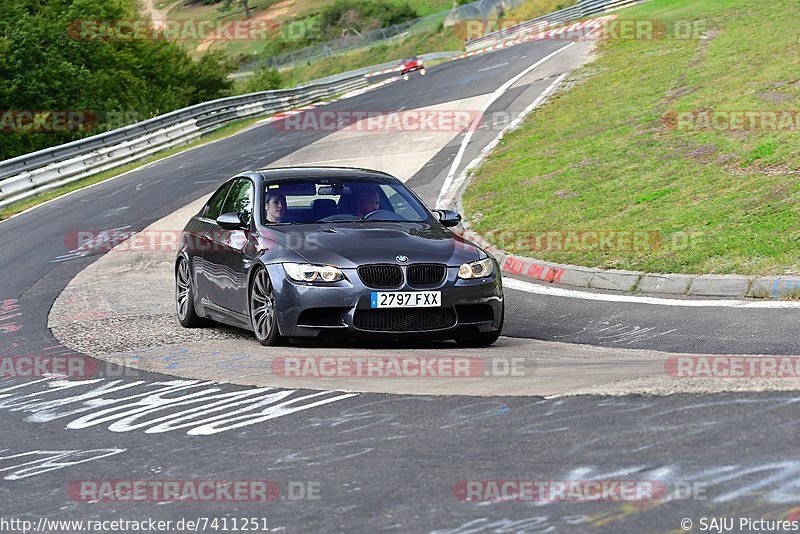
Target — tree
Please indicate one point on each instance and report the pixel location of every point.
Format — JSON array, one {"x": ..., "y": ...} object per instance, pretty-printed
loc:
[{"x": 52, "y": 60}]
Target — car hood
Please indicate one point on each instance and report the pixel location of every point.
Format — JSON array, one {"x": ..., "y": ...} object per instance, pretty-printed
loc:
[{"x": 352, "y": 244}]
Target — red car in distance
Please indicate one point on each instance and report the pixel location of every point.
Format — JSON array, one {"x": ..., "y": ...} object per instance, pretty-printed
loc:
[{"x": 412, "y": 64}]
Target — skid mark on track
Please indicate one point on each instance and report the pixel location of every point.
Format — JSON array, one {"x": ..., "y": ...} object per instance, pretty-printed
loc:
[
  {"x": 618, "y": 333},
  {"x": 98, "y": 243}
]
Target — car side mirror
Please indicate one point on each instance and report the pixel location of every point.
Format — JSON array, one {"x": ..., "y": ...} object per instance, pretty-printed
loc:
[
  {"x": 231, "y": 221},
  {"x": 449, "y": 218}
]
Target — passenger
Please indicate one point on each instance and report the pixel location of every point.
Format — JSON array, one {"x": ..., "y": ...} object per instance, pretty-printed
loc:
[{"x": 276, "y": 207}]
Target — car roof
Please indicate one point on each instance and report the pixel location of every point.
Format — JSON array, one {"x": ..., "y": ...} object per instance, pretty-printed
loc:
[{"x": 317, "y": 172}]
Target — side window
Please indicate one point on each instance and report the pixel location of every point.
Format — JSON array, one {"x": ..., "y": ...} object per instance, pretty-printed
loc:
[
  {"x": 240, "y": 199},
  {"x": 215, "y": 204}
]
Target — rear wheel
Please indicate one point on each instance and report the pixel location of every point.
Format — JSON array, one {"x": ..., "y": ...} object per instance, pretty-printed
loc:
[
  {"x": 184, "y": 297},
  {"x": 482, "y": 339},
  {"x": 263, "y": 314}
]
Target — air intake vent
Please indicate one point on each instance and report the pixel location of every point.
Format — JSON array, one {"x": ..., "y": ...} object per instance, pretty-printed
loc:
[{"x": 416, "y": 320}]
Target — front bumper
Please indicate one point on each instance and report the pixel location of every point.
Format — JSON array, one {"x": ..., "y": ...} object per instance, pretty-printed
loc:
[{"x": 343, "y": 309}]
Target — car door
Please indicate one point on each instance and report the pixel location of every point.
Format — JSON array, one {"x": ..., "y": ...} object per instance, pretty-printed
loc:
[
  {"x": 204, "y": 225},
  {"x": 230, "y": 254}
]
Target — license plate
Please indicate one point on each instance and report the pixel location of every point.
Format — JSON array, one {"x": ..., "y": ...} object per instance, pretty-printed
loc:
[{"x": 406, "y": 299}]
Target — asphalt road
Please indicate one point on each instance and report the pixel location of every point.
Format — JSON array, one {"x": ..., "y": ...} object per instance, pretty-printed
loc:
[{"x": 380, "y": 462}]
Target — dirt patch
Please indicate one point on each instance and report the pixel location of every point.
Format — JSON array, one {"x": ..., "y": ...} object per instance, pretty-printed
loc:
[
  {"x": 273, "y": 15},
  {"x": 726, "y": 159},
  {"x": 777, "y": 193},
  {"x": 774, "y": 98},
  {"x": 703, "y": 153},
  {"x": 673, "y": 95},
  {"x": 536, "y": 179},
  {"x": 566, "y": 193},
  {"x": 705, "y": 39},
  {"x": 770, "y": 170},
  {"x": 487, "y": 196},
  {"x": 588, "y": 162}
]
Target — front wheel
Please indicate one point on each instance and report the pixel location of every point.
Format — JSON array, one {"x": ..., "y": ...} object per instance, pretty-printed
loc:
[
  {"x": 184, "y": 297},
  {"x": 263, "y": 314}
]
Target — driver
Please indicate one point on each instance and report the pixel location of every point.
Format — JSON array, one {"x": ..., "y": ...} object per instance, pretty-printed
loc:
[
  {"x": 367, "y": 201},
  {"x": 276, "y": 207}
]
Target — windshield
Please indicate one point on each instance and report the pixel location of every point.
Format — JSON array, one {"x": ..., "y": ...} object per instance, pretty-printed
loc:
[{"x": 323, "y": 200}]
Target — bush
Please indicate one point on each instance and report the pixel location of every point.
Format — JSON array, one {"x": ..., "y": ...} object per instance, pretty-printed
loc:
[
  {"x": 355, "y": 16},
  {"x": 263, "y": 80}
]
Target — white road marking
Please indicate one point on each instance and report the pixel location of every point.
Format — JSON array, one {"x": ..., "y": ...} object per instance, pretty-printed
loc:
[
  {"x": 493, "y": 67},
  {"x": 448, "y": 183},
  {"x": 519, "y": 285},
  {"x": 201, "y": 408}
]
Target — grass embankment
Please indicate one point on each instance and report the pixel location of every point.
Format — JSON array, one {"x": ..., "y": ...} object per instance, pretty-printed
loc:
[{"x": 609, "y": 155}]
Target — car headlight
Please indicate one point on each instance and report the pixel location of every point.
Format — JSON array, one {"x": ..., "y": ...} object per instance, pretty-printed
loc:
[
  {"x": 306, "y": 272},
  {"x": 476, "y": 269}
]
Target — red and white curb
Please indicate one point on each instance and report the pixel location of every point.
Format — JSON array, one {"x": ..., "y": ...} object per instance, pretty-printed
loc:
[
  {"x": 384, "y": 71},
  {"x": 591, "y": 24}
]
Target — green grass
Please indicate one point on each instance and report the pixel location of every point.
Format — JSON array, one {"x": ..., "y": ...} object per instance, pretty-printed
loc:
[
  {"x": 599, "y": 156},
  {"x": 534, "y": 8},
  {"x": 428, "y": 7}
]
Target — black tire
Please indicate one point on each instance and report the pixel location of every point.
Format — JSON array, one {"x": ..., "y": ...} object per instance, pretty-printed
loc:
[
  {"x": 263, "y": 313},
  {"x": 482, "y": 339},
  {"x": 184, "y": 297}
]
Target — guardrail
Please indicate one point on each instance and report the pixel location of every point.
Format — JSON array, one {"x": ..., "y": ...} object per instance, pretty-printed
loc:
[
  {"x": 28, "y": 175},
  {"x": 584, "y": 8}
]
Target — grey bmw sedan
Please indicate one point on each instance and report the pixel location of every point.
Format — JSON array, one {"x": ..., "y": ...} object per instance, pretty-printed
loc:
[{"x": 307, "y": 252}]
